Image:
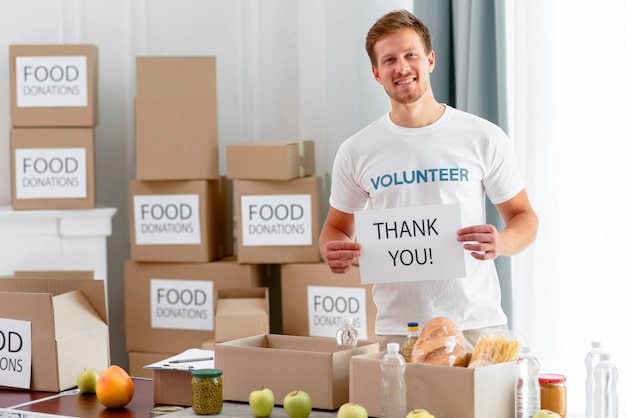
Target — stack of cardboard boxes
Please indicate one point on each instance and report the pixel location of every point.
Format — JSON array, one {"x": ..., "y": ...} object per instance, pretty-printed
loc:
[
  {"x": 281, "y": 206},
  {"x": 181, "y": 214},
  {"x": 53, "y": 116}
]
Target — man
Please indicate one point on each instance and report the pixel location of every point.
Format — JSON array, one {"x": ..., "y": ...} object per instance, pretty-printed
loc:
[{"x": 420, "y": 134}]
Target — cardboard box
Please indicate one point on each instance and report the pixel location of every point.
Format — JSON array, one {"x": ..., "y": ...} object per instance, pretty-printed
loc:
[
  {"x": 176, "y": 134},
  {"x": 281, "y": 221},
  {"x": 172, "y": 386},
  {"x": 136, "y": 361},
  {"x": 52, "y": 168},
  {"x": 284, "y": 363},
  {"x": 446, "y": 392},
  {"x": 69, "y": 330},
  {"x": 181, "y": 221},
  {"x": 54, "y": 274},
  {"x": 241, "y": 313},
  {"x": 270, "y": 160},
  {"x": 314, "y": 299},
  {"x": 170, "y": 306},
  {"x": 54, "y": 85}
]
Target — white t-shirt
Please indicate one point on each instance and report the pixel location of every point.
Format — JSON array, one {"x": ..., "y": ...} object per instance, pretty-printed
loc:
[{"x": 457, "y": 159}]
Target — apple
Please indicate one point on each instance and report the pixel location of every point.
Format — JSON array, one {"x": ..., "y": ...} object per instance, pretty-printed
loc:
[
  {"x": 261, "y": 402},
  {"x": 115, "y": 388},
  {"x": 297, "y": 404},
  {"x": 352, "y": 410},
  {"x": 546, "y": 413},
  {"x": 86, "y": 381},
  {"x": 419, "y": 413}
]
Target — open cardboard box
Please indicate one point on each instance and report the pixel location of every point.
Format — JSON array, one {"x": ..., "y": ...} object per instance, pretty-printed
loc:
[
  {"x": 285, "y": 363},
  {"x": 446, "y": 392},
  {"x": 69, "y": 330},
  {"x": 241, "y": 313}
]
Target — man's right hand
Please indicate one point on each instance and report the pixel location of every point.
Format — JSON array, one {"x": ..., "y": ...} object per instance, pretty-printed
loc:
[{"x": 340, "y": 255}]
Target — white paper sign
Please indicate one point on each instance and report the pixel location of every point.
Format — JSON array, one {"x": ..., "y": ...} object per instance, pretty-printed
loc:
[
  {"x": 50, "y": 173},
  {"x": 272, "y": 220},
  {"x": 181, "y": 304},
  {"x": 409, "y": 244},
  {"x": 55, "y": 81},
  {"x": 15, "y": 353},
  {"x": 328, "y": 304},
  {"x": 167, "y": 219}
]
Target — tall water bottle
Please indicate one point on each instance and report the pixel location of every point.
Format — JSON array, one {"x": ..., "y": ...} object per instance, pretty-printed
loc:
[
  {"x": 527, "y": 389},
  {"x": 605, "y": 378},
  {"x": 393, "y": 389},
  {"x": 347, "y": 335},
  {"x": 591, "y": 360}
]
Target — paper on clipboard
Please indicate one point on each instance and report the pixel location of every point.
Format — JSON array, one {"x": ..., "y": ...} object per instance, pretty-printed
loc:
[{"x": 191, "y": 359}]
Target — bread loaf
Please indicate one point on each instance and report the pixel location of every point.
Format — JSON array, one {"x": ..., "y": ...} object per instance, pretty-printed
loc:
[{"x": 441, "y": 342}]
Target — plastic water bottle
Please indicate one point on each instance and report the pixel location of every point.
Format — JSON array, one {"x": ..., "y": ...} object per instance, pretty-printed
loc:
[
  {"x": 393, "y": 389},
  {"x": 347, "y": 335},
  {"x": 605, "y": 377},
  {"x": 527, "y": 389},
  {"x": 591, "y": 360}
]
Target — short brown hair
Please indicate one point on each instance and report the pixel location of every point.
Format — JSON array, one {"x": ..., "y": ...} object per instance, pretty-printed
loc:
[{"x": 393, "y": 22}]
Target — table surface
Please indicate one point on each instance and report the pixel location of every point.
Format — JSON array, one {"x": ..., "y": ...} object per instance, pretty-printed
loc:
[
  {"x": 143, "y": 401},
  {"x": 88, "y": 406}
]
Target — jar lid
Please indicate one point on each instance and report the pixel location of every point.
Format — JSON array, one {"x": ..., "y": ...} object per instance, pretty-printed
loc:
[
  {"x": 206, "y": 373},
  {"x": 163, "y": 410},
  {"x": 551, "y": 378}
]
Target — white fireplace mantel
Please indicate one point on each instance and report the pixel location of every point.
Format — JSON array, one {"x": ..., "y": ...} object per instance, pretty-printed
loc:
[{"x": 54, "y": 240}]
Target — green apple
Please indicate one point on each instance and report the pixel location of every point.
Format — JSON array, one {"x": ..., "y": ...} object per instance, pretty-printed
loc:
[
  {"x": 352, "y": 410},
  {"x": 261, "y": 402},
  {"x": 419, "y": 413},
  {"x": 86, "y": 381},
  {"x": 546, "y": 413},
  {"x": 297, "y": 404}
]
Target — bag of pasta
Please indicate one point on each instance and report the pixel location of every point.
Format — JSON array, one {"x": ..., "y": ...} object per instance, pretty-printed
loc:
[{"x": 494, "y": 347}]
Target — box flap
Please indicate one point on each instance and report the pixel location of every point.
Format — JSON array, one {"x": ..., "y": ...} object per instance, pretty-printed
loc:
[
  {"x": 54, "y": 274},
  {"x": 73, "y": 314},
  {"x": 93, "y": 290}
]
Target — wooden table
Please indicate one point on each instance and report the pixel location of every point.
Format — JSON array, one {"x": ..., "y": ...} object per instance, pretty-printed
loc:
[
  {"x": 87, "y": 406},
  {"x": 82, "y": 405}
]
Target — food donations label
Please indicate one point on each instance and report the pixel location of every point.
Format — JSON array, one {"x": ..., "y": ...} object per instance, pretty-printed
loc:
[
  {"x": 167, "y": 219},
  {"x": 53, "y": 81},
  {"x": 15, "y": 353},
  {"x": 328, "y": 304},
  {"x": 409, "y": 244},
  {"x": 275, "y": 220},
  {"x": 181, "y": 304},
  {"x": 50, "y": 173}
]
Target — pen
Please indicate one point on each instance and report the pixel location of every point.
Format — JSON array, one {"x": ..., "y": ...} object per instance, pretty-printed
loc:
[{"x": 191, "y": 360}]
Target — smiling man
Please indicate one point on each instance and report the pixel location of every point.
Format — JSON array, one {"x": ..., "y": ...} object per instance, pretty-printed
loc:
[{"x": 426, "y": 153}]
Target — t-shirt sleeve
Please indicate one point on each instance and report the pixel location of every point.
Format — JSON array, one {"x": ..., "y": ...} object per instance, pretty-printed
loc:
[
  {"x": 346, "y": 194},
  {"x": 503, "y": 180}
]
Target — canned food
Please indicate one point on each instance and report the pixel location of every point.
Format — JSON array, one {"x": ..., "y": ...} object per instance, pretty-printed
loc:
[{"x": 206, "y": 391}]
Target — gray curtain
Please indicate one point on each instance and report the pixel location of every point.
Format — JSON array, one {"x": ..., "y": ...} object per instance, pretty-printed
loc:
[{"x": 469, "y": 43}]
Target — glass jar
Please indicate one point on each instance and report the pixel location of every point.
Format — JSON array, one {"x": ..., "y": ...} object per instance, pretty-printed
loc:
[
  {"x": 206, "y": 391},
  {"x": 553, "y": 393}
]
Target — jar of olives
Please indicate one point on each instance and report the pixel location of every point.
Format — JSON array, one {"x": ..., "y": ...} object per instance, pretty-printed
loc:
[{"x": 206, "y": 391}]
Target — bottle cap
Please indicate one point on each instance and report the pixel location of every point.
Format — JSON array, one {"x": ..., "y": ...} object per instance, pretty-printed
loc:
[
  {"x": 551, "y": 378},
  {"x": 412, "y": 325},
  {"x": 393, "y": 347},
  {"x": 605, "y": 356},
  {"x": 346, "y": 321},
  {"x": 596, "y": 344}
]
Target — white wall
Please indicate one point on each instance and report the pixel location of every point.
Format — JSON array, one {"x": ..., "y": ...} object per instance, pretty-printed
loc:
[{"x": 286, "y": 69}]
